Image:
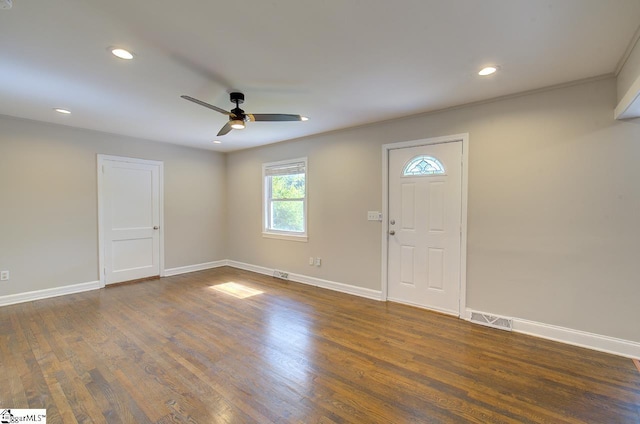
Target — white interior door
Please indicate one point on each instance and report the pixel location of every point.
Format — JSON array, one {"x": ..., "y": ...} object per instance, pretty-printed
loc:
[
  {"x": 130, "y": 212},
  {"x": 425, "y": 207}
]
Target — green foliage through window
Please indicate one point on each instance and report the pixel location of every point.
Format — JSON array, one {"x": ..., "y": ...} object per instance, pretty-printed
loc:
[
  {"x": 287, "y": 216},
  {"x": 287, "y": 186}
]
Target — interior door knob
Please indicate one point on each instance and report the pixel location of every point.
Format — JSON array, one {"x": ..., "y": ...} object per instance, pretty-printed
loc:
[
  {"x": 392, "y": 233},
  {"x": 155, "y": 227}
]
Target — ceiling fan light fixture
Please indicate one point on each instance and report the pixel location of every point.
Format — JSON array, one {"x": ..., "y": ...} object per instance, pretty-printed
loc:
[{"x": 237, "y": 124}]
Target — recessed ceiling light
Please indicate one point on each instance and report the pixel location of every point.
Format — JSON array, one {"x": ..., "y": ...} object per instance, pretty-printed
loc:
[
  {"x": 304, "y": 118},
  {"x": 217, "y": 142},
  {"x": 122, "y": 53},
  {"x": 63, "y": 111},
  {"x": 488, "y": 70}
]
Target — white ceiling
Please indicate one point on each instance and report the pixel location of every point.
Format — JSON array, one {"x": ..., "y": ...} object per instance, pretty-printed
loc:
[{"x": 341, "y": 62}]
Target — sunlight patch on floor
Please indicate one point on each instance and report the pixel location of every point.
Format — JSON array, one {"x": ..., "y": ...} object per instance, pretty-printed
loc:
[{"x": 236, "y": 290}]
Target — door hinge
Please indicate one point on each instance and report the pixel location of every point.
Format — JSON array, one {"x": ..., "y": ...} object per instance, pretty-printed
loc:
[{"x": 103, "y": 169}]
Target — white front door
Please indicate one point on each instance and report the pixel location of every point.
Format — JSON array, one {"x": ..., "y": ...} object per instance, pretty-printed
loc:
[
  {"x": 130, "y": 215},
  {"x": 425, "y": 207}
]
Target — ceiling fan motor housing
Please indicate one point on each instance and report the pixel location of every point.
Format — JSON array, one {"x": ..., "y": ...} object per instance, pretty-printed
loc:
[
  {"x": 237, "y": 113},
  {"x": 237, "y": 98}
]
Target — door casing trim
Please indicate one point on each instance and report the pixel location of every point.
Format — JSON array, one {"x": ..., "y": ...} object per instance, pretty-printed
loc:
[
  {"x": 101, "y": 159},
  {"x": 386, "y": 149}
]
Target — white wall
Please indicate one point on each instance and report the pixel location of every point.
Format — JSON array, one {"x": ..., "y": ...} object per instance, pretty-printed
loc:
[
  {"x": 554, "y": 200},
  {"x": 48, "y": 203}
]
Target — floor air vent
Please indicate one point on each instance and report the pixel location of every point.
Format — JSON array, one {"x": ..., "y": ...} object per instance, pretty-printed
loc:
[
  {"x": 502, "y": 323},
  {"x": 281, "y": 274}
]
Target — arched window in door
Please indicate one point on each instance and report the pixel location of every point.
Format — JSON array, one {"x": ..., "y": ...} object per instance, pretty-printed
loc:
[{"x": 423, "y": 165}]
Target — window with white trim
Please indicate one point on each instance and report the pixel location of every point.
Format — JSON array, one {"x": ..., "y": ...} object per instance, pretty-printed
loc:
[{"x": 285, "y": 199}]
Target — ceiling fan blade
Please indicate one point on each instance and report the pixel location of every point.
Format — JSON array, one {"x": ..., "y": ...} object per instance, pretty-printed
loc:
[
  {"x": 225, "y": 130},
  {"x": 201, "y": 103},
  {"x": 273, "y": 117}
]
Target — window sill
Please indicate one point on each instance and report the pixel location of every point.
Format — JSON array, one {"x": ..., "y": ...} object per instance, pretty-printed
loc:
[{"x": 302, "y": 238}]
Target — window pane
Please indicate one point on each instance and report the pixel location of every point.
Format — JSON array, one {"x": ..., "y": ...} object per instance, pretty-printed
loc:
[
  {"x": 288, "y": 216},
  {"x": 423, "y": 165},
  {"x": 287, "y": 186}
]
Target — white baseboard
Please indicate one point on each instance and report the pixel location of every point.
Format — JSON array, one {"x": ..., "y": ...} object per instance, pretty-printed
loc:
[
  {"x": 298, "y": 278},
  {"x": 12, "y": 299},
  {"x": 335, "y": 286},
  {"x": 192, "y": 268},
  {"x": 248, "y": 267},
  {"x": 93, "y": 285},
  {"x": 313, "y": 281},
  {"x": 621, "y": 347}
]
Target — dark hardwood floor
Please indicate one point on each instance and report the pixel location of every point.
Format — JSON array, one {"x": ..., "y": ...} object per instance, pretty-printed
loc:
[{"x": 175, "y": 350}]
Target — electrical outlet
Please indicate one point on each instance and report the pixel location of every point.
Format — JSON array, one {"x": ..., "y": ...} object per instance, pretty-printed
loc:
[
  {"x": 318, "y": 261},
  {"x": 311, "y": 261},
  {"x": 4, "y": 275}
]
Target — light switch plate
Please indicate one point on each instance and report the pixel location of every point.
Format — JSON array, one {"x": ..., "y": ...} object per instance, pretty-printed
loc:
[{"x": 374, "y": 216}]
